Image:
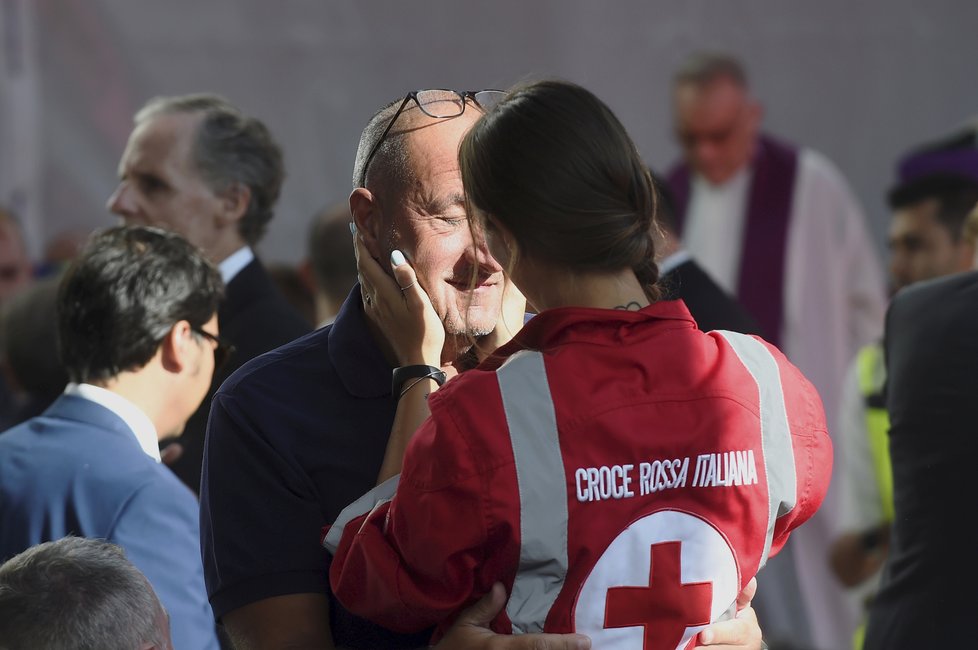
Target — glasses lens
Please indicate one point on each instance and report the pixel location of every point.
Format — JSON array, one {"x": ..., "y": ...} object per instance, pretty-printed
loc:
[
  {"x": 222, "y": 348},
  {"x": 487, "y": 99},
  {"x": 440, "y": 103}
]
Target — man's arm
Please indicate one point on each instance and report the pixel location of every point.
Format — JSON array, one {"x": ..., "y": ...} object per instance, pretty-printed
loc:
[
  {"x": 292, "y": 621},
  {"x": 260, "y": 523},
  {"x": 159, "y": 532}
]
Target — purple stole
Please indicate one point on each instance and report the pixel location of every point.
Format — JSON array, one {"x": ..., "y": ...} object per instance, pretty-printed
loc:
[{"x": 760, "y": 286}]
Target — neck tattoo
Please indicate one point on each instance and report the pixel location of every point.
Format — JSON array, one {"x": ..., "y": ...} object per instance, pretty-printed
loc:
[{"x": 632, "y": 306}]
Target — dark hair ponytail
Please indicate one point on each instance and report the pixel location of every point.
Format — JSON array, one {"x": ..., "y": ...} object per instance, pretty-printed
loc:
[{"x": 555, "y": 166}]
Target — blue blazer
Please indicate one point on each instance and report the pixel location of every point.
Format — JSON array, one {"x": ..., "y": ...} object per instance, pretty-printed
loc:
[{"x": 77, "y": 469}]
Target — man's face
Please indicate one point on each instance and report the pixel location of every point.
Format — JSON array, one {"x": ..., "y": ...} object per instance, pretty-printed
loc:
[
  {"x": 431, "y": 228},
  {"x": 15, "y": 266},
  {"x": 205, "y": 369},
  {"x": 921, "y": 248},
  {"x": 716, "y": 125},
  {"x": 198, "y": 376},
  {"x": 159, "y": 182}
]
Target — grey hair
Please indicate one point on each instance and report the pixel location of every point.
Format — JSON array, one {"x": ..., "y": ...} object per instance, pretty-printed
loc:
[
  {"x": 231, "y": 148},
  {"x": 76, "y": 593},
  {"x": 390, "y": 160},
  {"x": 701, "y": 68}
]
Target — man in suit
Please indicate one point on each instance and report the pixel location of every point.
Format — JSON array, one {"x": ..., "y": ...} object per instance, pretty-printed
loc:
[
  {"x": 932, "y": 379},
  {"x": 77, "y": 593},
  {"x": 936, "y": 187},
  {"x": 137, "y": 328},
  {"x": 197, "y": 165},
  {"x": 682, "y": 278}
]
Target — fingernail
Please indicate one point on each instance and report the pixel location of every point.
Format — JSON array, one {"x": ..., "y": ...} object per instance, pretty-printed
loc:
[
  {"x": 353, "y": 229},
  {"x": 397, "y": 257}
]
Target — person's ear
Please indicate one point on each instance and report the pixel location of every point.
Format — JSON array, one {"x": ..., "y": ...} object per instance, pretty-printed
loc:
[
  {"x": 369, "y": 221},
  {"x": 177, "y": 347},
  {"x": 234, "y": 203}
]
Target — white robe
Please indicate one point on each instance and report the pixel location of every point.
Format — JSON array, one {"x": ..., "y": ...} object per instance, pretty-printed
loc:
[{"x": 834, "y": 302}]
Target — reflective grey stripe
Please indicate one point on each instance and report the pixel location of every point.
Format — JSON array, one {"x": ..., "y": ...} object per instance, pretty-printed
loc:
[
  {"x": 380, "y": 494},
  {"x": 542, "y": 489},
  {"x": 779, "y": 459}
]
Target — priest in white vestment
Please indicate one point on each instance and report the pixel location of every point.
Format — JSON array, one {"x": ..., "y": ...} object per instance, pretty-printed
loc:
[{"x": 778, "y": 227}]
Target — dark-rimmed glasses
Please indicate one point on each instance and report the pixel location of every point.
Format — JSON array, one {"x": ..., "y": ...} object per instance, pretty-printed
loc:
[
  {"x": 223, "y": 349},
  {"x": 437, "y": 103}
]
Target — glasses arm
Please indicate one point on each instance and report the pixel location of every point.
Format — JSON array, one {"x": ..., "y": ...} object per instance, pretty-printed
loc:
[{"x": 380, "y": 140}]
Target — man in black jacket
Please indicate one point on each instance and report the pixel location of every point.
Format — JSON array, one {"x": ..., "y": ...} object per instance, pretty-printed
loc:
[
  {"x": 932, "y": 378},
  {"x": 197, "y": 165}
]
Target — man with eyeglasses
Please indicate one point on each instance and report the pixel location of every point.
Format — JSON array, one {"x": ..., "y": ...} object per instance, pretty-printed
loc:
[
  {"x": 777, "y": 227},
  {"x": 137, "y": 329},
  {"x": 298, "y": 434}
]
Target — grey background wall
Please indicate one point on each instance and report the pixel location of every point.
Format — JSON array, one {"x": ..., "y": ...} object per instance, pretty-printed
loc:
[{"x": 859, "y": 81}]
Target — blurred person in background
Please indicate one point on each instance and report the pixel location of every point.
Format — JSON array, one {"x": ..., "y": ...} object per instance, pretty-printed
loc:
[
  {"x": 15, "y": 275},
  {"x": 935, "y": 190},
  {"x": 683, "y": 278},
  {"x": 931, "y": 356},
  {"x": 199, "y": 166},
  {"x": 29, "y": 349},
  {"x": 15, "y": 264},
  {"x": 777, "y": 226},
  {"x": 330, "y": 267},
  {"x": 291, "y": 282}
]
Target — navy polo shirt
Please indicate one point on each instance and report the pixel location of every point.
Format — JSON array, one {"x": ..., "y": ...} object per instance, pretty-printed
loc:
[{"x": 293, "y": 437}]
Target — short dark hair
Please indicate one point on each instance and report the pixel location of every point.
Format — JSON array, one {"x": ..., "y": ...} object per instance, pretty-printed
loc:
[
  {"x": 76, "y": 593},
  {"x": 231, "y": 147},
  {"x": 956, "y": 196},
  {"x": 120, "y": 298},
  {"x": 704, "y": 67},
  {"x": 330, "y": 252},
  {"x": 555, "y": 166}
]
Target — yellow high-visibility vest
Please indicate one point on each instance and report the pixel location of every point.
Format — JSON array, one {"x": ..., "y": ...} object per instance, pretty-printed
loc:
[{"x": 872, "y": 376}]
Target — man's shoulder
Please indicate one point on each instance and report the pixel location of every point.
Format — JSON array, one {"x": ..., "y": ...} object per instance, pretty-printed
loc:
[
  {"x": 817, "y": 168},
  {"x": 282, "y": 366},
  {"x": 255, "y": 311},
  {"x": 96, "y": 468},
  {"x": 54, "y": 435},
  {"x": 938, "y": 296}
]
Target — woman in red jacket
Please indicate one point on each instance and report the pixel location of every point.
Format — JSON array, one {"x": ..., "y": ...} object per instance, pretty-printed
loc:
[{"x": 622, "y": 473}]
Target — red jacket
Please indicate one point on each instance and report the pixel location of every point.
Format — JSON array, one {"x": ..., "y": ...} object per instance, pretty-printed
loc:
[{"x": 622, "y": 473}]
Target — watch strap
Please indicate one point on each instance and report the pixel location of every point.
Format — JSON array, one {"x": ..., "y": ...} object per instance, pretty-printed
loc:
[{"x": 402, "y": 374}]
